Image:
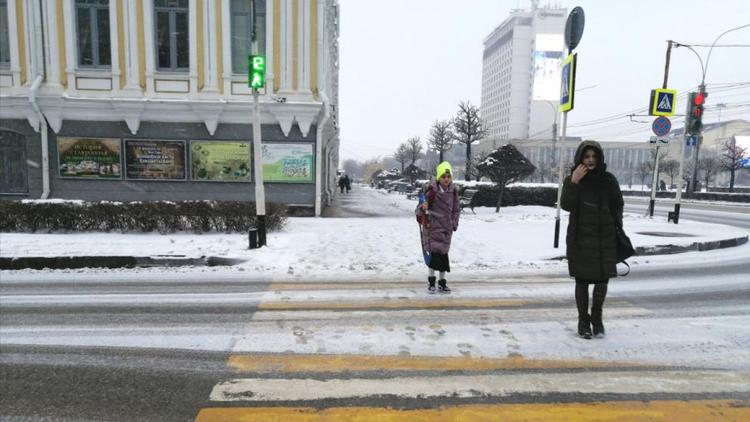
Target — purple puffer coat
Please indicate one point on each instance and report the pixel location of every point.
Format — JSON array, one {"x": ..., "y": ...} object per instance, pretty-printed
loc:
[{"x": 444, "y": 212}]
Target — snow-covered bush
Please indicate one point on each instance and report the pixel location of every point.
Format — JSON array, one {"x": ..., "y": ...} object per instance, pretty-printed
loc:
[{"x": 160, "y": 216}]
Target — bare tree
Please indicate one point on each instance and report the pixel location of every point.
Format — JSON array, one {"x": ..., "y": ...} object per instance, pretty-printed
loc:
[
  {"x": 473, "y": 172},
  {"x": 402, "y": 155},
  {"x": 414, "y": 148},
  {"x": 670, "y": 167},
  {"x": 687, "y": 174},
  {"x": 644, "y": 170},
  {"x": 353, "y": 168},
  {"x": 709, "y": 164},
  {"x": 372, "y": 166},
  {"x": 732, "y": 158},
  {"x": 441, "y": 137},
  {"x": 469, "y": 129}
]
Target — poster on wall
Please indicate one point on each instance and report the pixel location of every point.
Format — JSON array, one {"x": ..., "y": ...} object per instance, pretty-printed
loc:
[
  {"x": 288, "y": 163},
  {"x": 155, "y": 160},
  {"x": 224, "y": 161},
  {"x": 89, "y": 158}
]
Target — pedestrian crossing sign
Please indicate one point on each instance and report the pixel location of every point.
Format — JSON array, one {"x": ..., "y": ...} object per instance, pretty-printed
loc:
[
  {"x": 662, "y": 102},
  {"x": 568, "y": 82}
]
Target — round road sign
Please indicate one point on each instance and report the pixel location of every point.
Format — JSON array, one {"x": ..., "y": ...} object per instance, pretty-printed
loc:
[
  {"x": 661, "y": 126},
  {"x": 574, "y": 27}
]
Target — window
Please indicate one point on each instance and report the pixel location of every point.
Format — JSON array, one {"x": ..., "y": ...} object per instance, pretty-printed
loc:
[
  {"x": 172, "y": 35},
  {"x": 4, "y": 43},
  {"x": 244, "y": 14},
  {"x": 12, "y": 163},
  {"x": 92, "y": 22}
]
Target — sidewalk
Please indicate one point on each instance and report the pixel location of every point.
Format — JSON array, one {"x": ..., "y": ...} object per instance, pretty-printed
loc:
[{"x": 373, "y": 237}]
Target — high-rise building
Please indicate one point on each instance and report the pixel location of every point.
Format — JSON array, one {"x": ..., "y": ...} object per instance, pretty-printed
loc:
[
  {"x": 149, "y": 99},
  {"x": 521, "y": 75}
]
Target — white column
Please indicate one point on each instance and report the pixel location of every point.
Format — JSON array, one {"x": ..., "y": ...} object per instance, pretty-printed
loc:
[
  {"x": 130, "y": 44},
  {"x": 51, "y": 59},
  {"x": 114, "y": 44},
  {"x": 271, "y": 74},
  {"x": 148, "y": 37},
  {"x": 210, "y": 60},
  {"x": 13, "y": 35},
  {"x": 71, "y": 48},
  {"x": 193, "y": 39},
  {"x": 33, "y": 47},
  {"x": 226, "y": 43},
  {"x": 303, "y": 55},
  {"x": 285, "y": 73}
]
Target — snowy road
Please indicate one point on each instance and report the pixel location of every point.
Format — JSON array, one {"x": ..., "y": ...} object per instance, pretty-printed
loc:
[
  {"x": 230, "y": 346},
  {"x": 286, "y": 337}
]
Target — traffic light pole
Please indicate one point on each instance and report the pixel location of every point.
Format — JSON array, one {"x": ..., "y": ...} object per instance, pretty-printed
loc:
[
  {"x": 698, "y": 137},
  {"x": 675, "y": 215},
  {"x": 260, "y": 192},
  {"x": 652, "y": 202}
]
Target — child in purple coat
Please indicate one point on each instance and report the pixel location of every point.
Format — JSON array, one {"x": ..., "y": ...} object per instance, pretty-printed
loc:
[{"x": 443, "y": 209}]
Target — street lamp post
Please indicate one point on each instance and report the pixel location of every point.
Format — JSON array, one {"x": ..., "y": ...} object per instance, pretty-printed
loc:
[{"x": 697, "y": 137}]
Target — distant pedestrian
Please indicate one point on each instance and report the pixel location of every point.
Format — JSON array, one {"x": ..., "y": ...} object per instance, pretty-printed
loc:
[
  {"x": 348, "y": 184},
  {"x": 442, "y": 208},
  {"x": 342, "y": 183},
  {"x": 662, "y": 185},
  {"x": 593, "y": 198}
]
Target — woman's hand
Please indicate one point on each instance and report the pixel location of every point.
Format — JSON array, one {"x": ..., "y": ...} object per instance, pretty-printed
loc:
[
  {"x": 578, "y": 174},
  {"x": 424, "y": 205}
]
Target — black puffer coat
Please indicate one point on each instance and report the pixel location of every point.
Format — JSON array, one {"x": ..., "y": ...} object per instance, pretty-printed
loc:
[{"x": 595, "y": 205}]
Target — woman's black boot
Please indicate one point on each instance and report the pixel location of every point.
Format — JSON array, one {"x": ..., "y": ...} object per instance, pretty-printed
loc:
[
  {"x": 582, "y": 303},
  {"x": 600, "y": 293}
]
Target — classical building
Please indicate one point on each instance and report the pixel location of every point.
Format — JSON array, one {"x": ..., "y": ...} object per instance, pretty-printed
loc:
[{"x": 149, "y": 99}]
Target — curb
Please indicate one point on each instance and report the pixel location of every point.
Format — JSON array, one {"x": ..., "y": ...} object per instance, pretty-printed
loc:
[
  {"x": 675, "y": 249},
  {"x": 694, "y": 247},
  {"x": 73, "y": 262}
]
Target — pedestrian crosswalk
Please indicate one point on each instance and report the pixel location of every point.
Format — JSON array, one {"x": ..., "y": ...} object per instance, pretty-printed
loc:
[{"x": 490, "y": 351}]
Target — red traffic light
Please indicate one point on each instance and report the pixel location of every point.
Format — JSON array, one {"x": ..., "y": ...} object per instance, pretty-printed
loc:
[{"x": 699, "y": 99}]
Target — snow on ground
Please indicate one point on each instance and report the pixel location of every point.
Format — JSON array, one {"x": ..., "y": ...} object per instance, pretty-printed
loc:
[{"x": 518, "y": 240}]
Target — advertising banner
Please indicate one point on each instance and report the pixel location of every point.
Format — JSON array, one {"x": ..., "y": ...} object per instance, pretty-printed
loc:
[
  {"x": 224, "y": 161},
  {"x": 90, "y": 158},
  {"x": 288, "y": 163},
  {"x": 547, "y": 60},
  {"x": 155, "y": 160}
]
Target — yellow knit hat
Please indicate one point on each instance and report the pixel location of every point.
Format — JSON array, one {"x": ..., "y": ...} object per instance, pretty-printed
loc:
[{"x": 442, "y": 168}]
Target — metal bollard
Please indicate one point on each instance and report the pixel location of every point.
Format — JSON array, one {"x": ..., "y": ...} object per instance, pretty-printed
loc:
[{"x": 253, "y": 238}]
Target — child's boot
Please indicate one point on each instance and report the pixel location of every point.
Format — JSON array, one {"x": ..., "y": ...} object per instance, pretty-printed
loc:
[
  {"x": 443, "y": 286},
  {"x": 431, "y": 285}
]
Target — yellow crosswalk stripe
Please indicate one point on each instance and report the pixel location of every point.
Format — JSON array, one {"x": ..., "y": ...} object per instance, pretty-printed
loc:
[
  {"x": 683, "y": 411},
  {"x": 260, "y": 363},
  {"x": 391, "y": 304}
]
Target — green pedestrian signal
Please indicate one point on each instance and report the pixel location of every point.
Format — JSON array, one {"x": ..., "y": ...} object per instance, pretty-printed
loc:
[{"x": 257, "y": 71}]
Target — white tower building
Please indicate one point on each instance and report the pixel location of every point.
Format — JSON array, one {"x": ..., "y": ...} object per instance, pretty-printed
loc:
[{"x": 521, "y": 75}]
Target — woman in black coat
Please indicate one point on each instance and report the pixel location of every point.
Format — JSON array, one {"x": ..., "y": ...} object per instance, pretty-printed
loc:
[{"x": 593, "y": 198}]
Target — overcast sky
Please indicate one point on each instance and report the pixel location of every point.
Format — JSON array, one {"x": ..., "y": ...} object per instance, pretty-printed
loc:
[{"x": 406, "y": 63}]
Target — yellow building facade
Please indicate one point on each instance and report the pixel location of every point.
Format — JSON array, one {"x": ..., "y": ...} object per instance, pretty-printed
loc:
[{"x": 174, "y": 70}]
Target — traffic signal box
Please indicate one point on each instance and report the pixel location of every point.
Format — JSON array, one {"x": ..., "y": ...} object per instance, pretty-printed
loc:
[
  {"x": 257, "y": 72},
  {"x": 694, "y": 118}
]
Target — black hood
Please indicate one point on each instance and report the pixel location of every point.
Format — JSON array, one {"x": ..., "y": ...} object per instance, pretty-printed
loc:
[
  {"x": 601, "y": 166},
  {"x": 589, "y": 144}
]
